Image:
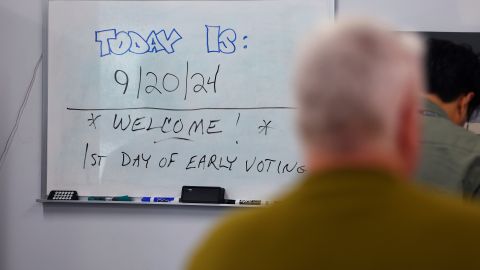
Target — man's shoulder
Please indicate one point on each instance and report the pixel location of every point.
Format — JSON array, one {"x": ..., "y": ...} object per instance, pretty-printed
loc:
[
  {"x": 439, "y": 131},
  {"x": 245, "y": 222},
  {"x": 445, "y": 209},
  {"x": 422, "y": 204},
  {"x": 233, "y": 236},
  {"x": 410, "y": 216},
  {"x": 450, "y": 156}
]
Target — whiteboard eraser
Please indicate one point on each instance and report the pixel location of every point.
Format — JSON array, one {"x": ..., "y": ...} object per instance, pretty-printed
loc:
[{"x": 198, "y": 194}]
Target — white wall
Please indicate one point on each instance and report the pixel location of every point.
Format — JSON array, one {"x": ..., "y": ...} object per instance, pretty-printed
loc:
[
  {"x": 35, "y": 236},
  {"x": 419, "y": 15}
]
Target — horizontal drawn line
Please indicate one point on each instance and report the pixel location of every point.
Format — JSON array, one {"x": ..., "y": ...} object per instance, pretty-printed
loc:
[
  {"x": 185, "y": 109},
  {"x": 174, "y": 138}
]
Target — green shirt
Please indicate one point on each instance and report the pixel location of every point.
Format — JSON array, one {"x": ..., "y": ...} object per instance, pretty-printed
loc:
[
  {"x": 348, "y": 219},
  {"x": 450, "y": 158}
]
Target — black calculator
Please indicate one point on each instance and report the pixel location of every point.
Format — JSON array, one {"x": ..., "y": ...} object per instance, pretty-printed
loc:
[{"x": 63, "y": 195}]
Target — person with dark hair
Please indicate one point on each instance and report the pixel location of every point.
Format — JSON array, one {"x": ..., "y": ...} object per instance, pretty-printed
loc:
[{"x": 450, "y": 157}]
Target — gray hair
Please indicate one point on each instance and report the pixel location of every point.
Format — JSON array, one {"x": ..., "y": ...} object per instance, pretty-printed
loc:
[{"x": 351, "y": 80}]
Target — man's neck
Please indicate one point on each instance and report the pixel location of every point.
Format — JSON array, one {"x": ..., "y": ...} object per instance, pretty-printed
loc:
[{"x": 448, "y": 107}]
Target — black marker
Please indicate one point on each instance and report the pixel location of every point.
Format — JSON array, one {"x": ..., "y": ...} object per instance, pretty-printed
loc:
[{"x": 250, "y": 202}]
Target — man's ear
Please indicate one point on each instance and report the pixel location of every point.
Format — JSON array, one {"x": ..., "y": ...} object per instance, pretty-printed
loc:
[
  {"x": 468, "y": 98},
  {"x": 409, "y": 134},
  {"x": 463, "y": 104}
]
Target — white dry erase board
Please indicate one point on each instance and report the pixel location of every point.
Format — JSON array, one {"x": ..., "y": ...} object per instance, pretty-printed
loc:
[{"x": 145, "y": 97}]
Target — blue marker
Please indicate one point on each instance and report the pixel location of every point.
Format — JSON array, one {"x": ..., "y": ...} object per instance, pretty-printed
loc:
[
  {"x": 163, "y": 199},
  {"x": 158, "y": 199}
]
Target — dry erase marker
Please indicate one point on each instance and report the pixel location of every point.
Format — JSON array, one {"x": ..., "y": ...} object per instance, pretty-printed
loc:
[
  {"x": 96, "y": 198},
  {"x": 250, "y": 202},
  {"x": 124, "y": 198},
  {"x": 163, "y": 199},
  {"x": 158, "y": 199}
]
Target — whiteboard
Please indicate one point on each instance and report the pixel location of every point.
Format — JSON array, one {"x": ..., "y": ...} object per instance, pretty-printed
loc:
[{"x": 145, "y": 97}]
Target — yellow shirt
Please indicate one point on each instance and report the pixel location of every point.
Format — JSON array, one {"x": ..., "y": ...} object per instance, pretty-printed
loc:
[{"x": 348, "y": 219}]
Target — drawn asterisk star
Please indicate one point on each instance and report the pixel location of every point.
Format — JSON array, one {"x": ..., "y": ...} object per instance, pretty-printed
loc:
[
  {"x": 92, "y": 120},
  {"x": 264, "y": 128}
]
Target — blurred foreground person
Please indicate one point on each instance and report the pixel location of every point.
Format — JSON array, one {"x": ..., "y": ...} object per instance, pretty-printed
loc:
[
  {"x": 359, "y": 89},
  {"x": 450, "y": 157}
]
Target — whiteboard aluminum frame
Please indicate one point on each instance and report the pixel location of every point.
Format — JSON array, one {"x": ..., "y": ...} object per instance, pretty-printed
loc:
[{"x": 43, "y": 188}]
